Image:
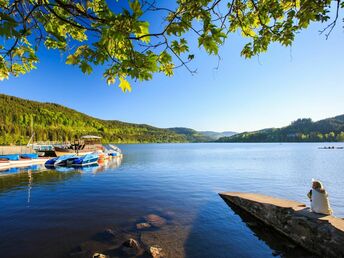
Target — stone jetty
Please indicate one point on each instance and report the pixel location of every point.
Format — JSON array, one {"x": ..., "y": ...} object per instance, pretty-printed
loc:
[{"x": 319, "y": 234}]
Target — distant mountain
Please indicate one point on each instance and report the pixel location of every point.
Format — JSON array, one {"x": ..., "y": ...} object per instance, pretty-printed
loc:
[
  {"x": 217, "y": 135},
  {"x": 301, "y": 130},
  {"x": 52, "y": 122},
  {"x": 191, "y": 135}
]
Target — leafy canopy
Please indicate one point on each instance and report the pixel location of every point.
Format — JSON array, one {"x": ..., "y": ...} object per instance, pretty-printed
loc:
[{"x": 117, "y": 36}]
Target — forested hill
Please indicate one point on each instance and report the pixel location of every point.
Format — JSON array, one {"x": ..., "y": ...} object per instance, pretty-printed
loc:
[
  {"x": 200, "y": 136},
  {"x": 52, "y": 122},
  {"x": 191, "y": 135},
  {"x": 301, "y": 130}
]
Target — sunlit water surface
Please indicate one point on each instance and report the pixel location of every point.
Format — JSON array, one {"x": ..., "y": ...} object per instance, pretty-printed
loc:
[{"x": 48, "y": 213}]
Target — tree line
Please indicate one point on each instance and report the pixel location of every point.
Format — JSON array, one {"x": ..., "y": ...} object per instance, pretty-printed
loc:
[
  {"x": 301, "y": 130},
  {"x": 20, "y": 118}
]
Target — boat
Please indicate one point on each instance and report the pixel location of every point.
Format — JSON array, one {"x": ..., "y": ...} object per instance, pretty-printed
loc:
[
  {"x": 64, "y": 160},
  {"x": 58, "y": 160},
  {"x": 50, "y": 162},
  {"x": 4, "y": 160},
  {"x": 86, "y": 145},
  {"x": 44, "y": 150},
  {"x": 29, "y": 156},
  {"x": 10, "y": 157},
  {"x": 112, "y": 150},
  {"x": 86, "y": 160}
]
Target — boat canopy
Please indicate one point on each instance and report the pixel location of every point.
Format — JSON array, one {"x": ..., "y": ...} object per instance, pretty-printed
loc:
[{"x": 90, "y": 137}]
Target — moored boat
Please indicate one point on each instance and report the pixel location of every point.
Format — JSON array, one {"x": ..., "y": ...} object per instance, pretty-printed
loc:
[
  {"x": 4, "y": 160},
  {"x": 29, "y": 156},
  {"x": 86, "y": 145},
  {"x": 112, "y": 150},
  {"x": 64, "y": 160},
  {"x": 86, "y": 160},
  {"x": 50, "y": 162},
  {"x": 10, "y": 157},
  {"x": 58, "y": 161}
]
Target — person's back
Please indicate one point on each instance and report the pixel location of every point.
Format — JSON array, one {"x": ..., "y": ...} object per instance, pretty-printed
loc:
[{"x": 319, "y": 199}]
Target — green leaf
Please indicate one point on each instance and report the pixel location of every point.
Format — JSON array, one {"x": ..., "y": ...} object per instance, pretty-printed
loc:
[
  {"x": 142, "y": 31},
  {"x": 124, "y": 84},
  {"x": 136, "y": 7},
  {"x": 85, "y": 67}
]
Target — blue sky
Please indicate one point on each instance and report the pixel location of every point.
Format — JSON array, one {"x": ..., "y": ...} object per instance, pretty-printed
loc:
[{"x": 272, "y": 90}]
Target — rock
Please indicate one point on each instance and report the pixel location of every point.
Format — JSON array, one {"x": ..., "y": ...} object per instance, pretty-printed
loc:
[
  {"x": 99, "y": 255},
  {"x": 143, "y": 225},
  {"x": 291, "y": 246},
  {"x": 275, "y": 253},
  {"x": 132, "y": 243},
  {"x": 171, "y": 238},
  {"x": 155, "y": 220},
  {"x": 318, "y": 233},
  {"x": 156, "y": 252},
  {"x": 132, "y": 248},
  {"x": 251, "y": 224}
]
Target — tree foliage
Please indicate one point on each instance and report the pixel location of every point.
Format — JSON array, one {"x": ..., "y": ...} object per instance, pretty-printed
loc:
[
  {"x": 301, "y": 130},
  {"x": 117, "y": 34}
]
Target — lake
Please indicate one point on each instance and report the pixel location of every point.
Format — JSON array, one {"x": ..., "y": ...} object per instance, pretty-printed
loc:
[{"x": 48, "y": 213}]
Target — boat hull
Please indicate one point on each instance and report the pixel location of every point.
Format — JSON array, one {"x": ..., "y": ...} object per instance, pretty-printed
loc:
[
  {"x": 29, "y": 156},
  {"x": 86, "y": 160},
  {"x": 10, "y": 157},
  {"x": 60, "y": 153}
]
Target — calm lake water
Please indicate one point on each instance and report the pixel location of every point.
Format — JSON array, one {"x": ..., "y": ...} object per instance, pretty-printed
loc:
[{"x": 49, "y": 213}]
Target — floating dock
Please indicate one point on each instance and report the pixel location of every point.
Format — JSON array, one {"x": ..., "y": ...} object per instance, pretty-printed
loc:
[
  {"x": 21, "y": 163},
  {"x": 320, "y": 234}
]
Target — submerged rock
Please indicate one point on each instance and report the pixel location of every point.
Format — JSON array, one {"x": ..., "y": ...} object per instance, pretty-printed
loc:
[
  {"x": 143, "y": 225},
  {"x": 99, "y": 255},
  {"x": 171, "y": 238},
  {"x": 132, "y": 243},
  {"x": 156, "y": 252},
  {"x": 155, "y": 220},
  {"x": 132, "y": 247}
]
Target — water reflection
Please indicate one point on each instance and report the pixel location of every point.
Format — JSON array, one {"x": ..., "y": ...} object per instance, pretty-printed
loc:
[{"x": 26, "y": 177}]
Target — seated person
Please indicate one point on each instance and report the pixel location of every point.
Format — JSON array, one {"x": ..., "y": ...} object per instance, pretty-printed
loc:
[{"x": 319, "y": 199}]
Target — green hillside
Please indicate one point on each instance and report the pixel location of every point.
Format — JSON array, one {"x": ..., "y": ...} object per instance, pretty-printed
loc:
[
  {"x": 52, "y": 122},
  {"x": 217, "y": 135},
  {"x": 301, "y": 130},
  {"x": 191, "y": 135}
]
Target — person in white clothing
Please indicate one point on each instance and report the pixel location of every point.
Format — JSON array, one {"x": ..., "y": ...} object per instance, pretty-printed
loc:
[{"x": 319, "y": 199}]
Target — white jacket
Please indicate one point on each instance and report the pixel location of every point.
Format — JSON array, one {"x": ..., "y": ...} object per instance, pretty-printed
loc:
[{"x": 320, "y": 203}]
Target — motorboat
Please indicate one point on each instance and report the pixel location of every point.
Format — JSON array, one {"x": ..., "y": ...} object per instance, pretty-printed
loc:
[
  {"x": 86, "y": 145},
  {"x": 10, "y": 157},
  {"x": 58, "y": 161},
  {"x": 29, "y": 156},
  {"x": 64, "y": 160},
  {"x": 86, "y": 160},
  {"x": 112, "y": 150}
]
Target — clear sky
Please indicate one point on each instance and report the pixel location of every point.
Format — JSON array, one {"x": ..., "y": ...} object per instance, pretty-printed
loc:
[{"x": 280, "y": 86}]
